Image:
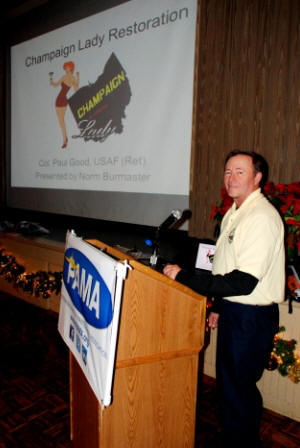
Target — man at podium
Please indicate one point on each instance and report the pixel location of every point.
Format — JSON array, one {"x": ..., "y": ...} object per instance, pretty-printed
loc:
[{"x": 247, "y": 282}]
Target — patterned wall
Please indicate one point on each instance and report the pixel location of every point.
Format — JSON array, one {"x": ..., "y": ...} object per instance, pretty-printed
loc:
[{"x": 247, "y": 94}]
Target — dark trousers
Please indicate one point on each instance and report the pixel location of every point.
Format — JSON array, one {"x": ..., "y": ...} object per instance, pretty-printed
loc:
[{"x": 245, "y": 336}]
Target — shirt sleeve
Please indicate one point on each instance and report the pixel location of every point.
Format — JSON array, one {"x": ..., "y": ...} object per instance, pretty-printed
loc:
[{"x": 235, "y": 283}]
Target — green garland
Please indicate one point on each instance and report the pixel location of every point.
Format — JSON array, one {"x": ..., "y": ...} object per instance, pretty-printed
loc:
[
  {"x": 40, "y": 283},
  {"x": 288, "y": 361}
]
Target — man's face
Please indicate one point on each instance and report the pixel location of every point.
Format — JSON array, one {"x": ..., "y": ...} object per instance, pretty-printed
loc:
[{"x": 239, "y": 178}]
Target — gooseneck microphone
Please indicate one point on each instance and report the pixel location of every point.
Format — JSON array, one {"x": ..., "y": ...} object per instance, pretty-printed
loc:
[
  {"x": 170, "y": 220},
  {"x": 165, "y": 225}
]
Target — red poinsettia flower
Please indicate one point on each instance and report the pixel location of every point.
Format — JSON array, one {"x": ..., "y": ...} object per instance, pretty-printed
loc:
[
  {"x": 214, "y": 211},
  {"x": 269, "y": 188},
  {"x": 290, "y": 240},
  {"x": 289, "y": 199},
  {"x": 296, "y": 210},
  {"x": 280, "y": 188},
  {"x": 291, "y": 222},
  {"x": 294, "y": 188},
  {"x": 284, "y": 209},
  {"x": 224, "y": 194}
]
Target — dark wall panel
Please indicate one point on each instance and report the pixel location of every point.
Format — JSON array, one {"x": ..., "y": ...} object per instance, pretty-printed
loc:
[{"x": 248, "y": 94}]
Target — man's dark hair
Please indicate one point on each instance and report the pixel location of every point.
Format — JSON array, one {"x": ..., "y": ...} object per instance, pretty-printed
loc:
[{"x": 260, "y": 164}]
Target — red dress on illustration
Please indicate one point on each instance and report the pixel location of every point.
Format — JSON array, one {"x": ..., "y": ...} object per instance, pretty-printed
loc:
[{"x": 61, "y": 100}]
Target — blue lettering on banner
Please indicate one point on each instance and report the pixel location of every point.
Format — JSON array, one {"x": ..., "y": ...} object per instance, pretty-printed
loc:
[{"x": 87, "y": 289}]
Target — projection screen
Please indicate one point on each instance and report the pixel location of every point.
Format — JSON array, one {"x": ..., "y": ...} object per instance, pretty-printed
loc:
[{"x": 101, "y": 114}]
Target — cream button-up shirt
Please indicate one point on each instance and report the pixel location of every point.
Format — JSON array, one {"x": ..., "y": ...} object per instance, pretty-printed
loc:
[{"x": 252, "y": 241}]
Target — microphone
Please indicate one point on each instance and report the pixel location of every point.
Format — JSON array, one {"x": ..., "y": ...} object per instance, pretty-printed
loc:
[
  {"x": 166, "y": 224},
  {"x": 170, "y": 220}
]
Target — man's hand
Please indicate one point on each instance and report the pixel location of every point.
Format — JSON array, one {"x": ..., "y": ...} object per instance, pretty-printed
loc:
[
  {"x": 171, "y": 270},
  {"x": 213, "y": 320}
]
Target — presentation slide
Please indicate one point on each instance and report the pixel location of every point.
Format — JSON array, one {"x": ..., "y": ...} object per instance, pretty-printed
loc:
[{"x": 105, "y": 104}]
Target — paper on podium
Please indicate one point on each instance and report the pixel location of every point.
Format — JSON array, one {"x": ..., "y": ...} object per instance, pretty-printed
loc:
[{"x": 205, "y": 256}]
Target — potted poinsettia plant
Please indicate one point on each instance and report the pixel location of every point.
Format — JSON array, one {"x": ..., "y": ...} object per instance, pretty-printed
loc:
[
  {"x": 219, "y": 210},
  {"x": 286, "y": 198}
]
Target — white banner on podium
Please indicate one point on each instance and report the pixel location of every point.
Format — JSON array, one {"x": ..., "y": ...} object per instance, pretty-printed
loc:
[{"x": 89, "y": 311}]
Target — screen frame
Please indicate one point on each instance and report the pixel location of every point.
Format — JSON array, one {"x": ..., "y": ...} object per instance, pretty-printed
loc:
[{"x": 123, "y": 203}]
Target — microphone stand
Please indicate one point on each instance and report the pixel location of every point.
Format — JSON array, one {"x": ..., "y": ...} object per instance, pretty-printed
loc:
[
  {"x": 154, "y": 256},
  {"x": 174, "y": 220}
]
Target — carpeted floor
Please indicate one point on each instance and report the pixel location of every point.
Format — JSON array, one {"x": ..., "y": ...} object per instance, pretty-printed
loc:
[
  {"x": 34, "y": 388},
  {"x": 34, "y": 391}
]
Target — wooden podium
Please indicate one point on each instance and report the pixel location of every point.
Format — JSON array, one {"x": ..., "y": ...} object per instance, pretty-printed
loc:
[{"x": 154, "y": 388}]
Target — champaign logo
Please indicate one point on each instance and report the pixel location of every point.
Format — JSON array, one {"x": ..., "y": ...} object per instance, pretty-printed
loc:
[
  {"x": 87, "y": 289},
  {"x": 100, "y": 107}
]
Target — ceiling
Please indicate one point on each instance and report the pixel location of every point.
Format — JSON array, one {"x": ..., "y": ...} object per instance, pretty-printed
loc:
[{"x": 15, "y": 8}]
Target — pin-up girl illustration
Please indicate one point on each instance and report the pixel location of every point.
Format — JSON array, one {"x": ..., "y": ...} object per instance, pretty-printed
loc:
[{"x": 66, "y": 82}]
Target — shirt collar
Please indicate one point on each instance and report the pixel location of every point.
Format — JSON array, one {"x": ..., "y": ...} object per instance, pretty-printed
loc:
[{"x": 254, "y": 195}]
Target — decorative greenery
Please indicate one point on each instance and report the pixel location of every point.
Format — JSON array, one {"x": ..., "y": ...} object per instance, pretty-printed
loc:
[
  {"x": 288, "y": 361},
  {"x": 39, "y": 283}
]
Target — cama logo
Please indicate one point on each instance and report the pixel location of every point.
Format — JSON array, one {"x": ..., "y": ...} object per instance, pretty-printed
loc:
[{"x": 87, "y": 289}]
